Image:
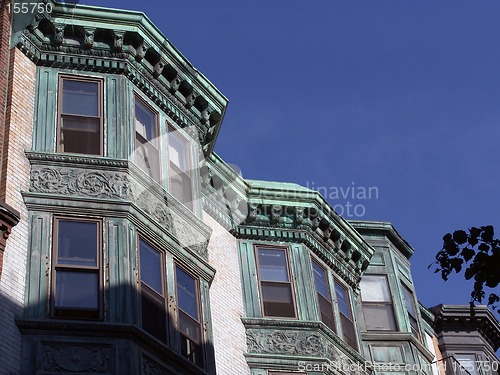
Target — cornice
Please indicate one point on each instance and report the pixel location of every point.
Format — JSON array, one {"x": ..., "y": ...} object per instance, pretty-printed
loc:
[
  {"x": 458, "y": 318},
  {"x": 384, "y": 229},
  {"x": 124, "y": 42}
]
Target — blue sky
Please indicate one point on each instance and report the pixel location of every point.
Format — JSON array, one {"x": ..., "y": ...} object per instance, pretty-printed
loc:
[{"x": 399, "y": 95}]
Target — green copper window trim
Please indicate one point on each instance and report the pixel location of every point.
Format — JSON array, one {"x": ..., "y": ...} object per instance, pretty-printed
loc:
[
  {"x": 276, "y": 279},
  {"x": 76, "y": 266},
  {"x": 82, "y": 119}
]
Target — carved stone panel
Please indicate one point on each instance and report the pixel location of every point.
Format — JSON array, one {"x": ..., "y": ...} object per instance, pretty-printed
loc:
[
  {"x": 82, "y": 182},
  {"x": 302, "y": 343},
  {"x": 78, "y": 359},
  {"x": 151, "y": 367}
]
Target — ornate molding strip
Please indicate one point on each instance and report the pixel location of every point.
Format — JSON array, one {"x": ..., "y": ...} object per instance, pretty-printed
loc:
[
  {"x": 86, "y": 183},
  {"x": 63, "y": 159}
]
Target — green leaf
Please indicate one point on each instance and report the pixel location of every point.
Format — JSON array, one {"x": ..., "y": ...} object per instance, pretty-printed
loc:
[
  {"x": 467, "y": 253},
  {"x": 469, "y": 273},
  {"x": 460, "y": 237},
  {"x": 488, "y": 233},
  {"x": 484, "y": 247}
]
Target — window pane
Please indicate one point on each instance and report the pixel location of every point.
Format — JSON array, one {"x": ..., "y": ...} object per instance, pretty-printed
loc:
[
  {"x": 326, "y": 311},
  {"x": 410, "y": 303},
  {"x": 80, "y": 98},
  {"x": 150, "y": 264},
  {"x": 374, "y": 289},
  {"x": 178, "y": 151},
  {"x": 180, "y": 186},
  {"x": 386, "y": 354},
  {"x": 189, "y": 327},
  {"x": 277, "y": 299},
  {"x": 77, "y": 290},
  {"x": 147, "y": 157},
  {"x": 145, "y": 122},
  {"x": 192, "y": 351},
  {"x": 272, "y": 265},
  {"x": 190, "y": 332},
  {"x": 77, "y": 243},
  {"x": 343, "y": 300},
  {"x": 186, "y": 293},
  {"x": 379, "y": 317},
  {"x": 468, "y": 362},
  {"x": 154, "y": 318},
  {"x": 414, "y": 327},
  {"x": 348, "y": 331},
  {"x": 320, "y": 280},
  {"x": 81, "y": 135}
]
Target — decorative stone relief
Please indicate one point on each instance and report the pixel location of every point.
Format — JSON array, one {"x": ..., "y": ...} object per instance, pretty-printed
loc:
[
  {"x": 252, "y": 212},
  {"x": 150, "y": 367},
  {"x": 190, "y": 238},
  {"x": 118, "y": 41},
  {"x": 141, "y": 52},
  {"x": 34, "y": 23},
  {"x": 77, "y": 359},
  {"x": 82, "y": 182},
  {"x": 299, "y": 215},
  {"x": 205, "y": 116},
  {"x": 327, "y": 232},
  {"x": 89, "y": 38},
  {"x": 283, "y": 342},
  {"x": 174, "y": 84},
  {"x": 158, "y": 68},
  {"x": 59, "y": 34},
  {"x": 276, "y": 212},
  {"x": 300, "y": 343},
  {"x": 191, "y": 99}
]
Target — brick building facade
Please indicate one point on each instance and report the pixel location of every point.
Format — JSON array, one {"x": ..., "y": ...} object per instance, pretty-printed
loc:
[{"x": 140, "y": 251}]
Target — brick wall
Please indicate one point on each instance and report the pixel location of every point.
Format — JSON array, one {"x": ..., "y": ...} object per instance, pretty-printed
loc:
[
  {"x": 226, "y": 299},
  {"x": 15, "y": 178},
  {"x": 4, "y": 61},
  {"x": 4, "y": 65}
]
